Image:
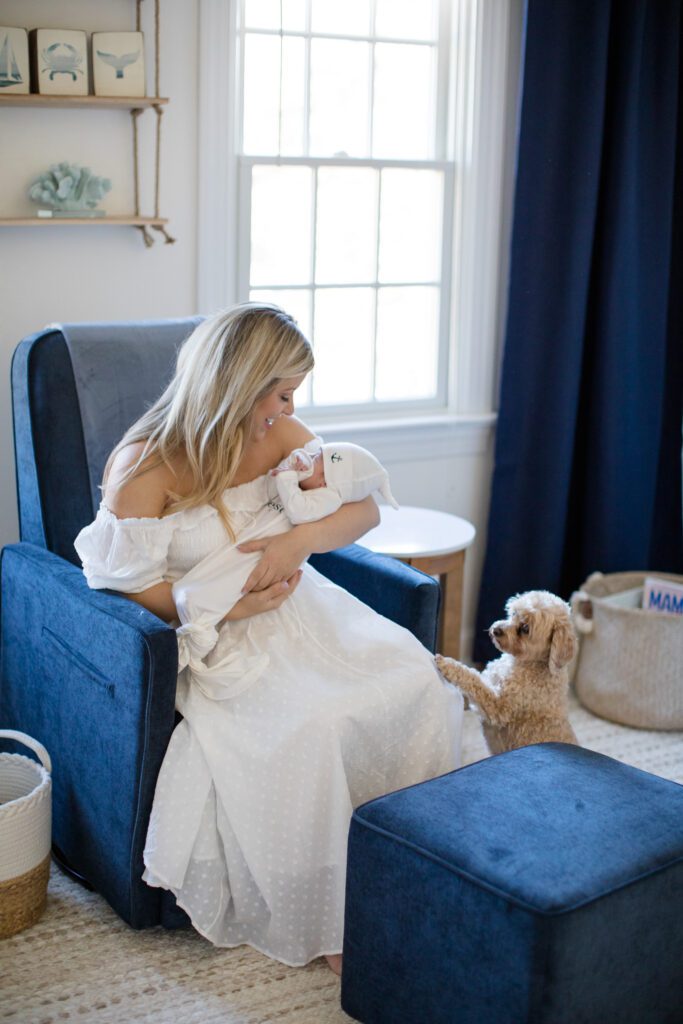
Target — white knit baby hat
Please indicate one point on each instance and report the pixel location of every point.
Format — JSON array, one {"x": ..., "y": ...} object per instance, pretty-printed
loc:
[{"x": 355, "y": 472}]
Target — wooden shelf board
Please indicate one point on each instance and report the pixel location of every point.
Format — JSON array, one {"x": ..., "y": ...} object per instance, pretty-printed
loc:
[
  {"x": 21, "y": 222},
  {"x": 34, "y": 99}
]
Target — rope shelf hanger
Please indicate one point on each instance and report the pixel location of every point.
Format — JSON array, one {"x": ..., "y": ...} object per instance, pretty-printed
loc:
[{"x": 135, "y": 114}]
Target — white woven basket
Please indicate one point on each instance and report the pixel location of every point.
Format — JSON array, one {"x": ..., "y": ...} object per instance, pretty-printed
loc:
[
  {"x": 630, "y": 663},
  {"x": 25, "y": 834}
]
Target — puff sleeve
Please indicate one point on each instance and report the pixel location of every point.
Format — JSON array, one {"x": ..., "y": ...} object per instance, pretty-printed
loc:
[{"x": 128, "y": 555}]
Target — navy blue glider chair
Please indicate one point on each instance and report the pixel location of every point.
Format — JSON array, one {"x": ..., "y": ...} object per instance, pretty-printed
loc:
[{"x": 91, "y": 674}]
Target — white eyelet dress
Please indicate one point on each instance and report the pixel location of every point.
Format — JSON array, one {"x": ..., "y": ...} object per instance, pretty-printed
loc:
[{"x": 325, "y": 705}]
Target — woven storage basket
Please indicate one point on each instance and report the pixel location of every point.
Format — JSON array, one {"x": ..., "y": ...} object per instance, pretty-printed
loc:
[
  {"x": 630, "y": 662},
  {"x": 25, "y": 835}
]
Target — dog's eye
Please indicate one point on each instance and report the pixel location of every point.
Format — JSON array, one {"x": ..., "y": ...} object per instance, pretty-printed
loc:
[{"x": 523, "y": 630}]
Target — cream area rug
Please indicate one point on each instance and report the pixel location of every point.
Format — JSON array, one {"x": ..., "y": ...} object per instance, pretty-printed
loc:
[{"x": 81, "y": 963}]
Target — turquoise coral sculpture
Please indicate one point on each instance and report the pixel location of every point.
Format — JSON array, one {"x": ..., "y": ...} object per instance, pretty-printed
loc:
[{"x": 69, "y": 187}]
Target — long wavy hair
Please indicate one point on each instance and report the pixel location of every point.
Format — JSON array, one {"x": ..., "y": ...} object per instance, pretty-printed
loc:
[{"x": 229, "y": 363}]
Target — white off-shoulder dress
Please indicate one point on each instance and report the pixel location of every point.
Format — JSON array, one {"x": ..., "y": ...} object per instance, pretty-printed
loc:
[{"x": 325, "y": 705}]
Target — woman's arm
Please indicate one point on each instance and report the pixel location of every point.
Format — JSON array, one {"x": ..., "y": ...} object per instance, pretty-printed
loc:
[
  {"x": 343, "y": 527},
  {"x": 144, "y": 497},
  {"x": 285, "y": 552},
  {"x": 158, "y": 600}
]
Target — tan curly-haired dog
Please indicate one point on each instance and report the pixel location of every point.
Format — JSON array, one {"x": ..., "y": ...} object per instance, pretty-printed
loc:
[{"x": 521, "y": 697}]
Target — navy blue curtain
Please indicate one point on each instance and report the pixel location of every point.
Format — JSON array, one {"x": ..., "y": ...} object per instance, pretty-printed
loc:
[{"x": 587, "y": 469}]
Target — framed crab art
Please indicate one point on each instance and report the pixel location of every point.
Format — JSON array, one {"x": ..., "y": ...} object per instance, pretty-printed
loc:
[
  {"x": 118, "y": 61},
  {"x": 59, "y": 59}
]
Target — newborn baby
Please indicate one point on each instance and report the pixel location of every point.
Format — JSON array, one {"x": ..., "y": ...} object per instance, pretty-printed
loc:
[
  {"x": 313, "y": 485},
  {"x": 309, "y": 484}
]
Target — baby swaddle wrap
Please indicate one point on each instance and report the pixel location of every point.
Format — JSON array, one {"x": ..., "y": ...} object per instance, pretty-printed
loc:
[{"x": 203, "y": 597}]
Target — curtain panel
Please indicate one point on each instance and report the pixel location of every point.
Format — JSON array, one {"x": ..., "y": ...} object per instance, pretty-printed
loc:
[{"x": 587, "y": 472}]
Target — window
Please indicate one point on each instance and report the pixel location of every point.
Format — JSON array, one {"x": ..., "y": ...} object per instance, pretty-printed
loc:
[
  {"x": 356, "y": 165},
  {"x": 346, "y": 191}
]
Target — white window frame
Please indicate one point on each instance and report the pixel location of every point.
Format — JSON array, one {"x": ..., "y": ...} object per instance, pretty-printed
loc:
[{"x": 484, "y": 97}]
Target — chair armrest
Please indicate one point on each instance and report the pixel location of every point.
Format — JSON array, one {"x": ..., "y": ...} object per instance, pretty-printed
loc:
[
  {"x": 392, "y": 588},
  {"x": 92, "y": 675}
]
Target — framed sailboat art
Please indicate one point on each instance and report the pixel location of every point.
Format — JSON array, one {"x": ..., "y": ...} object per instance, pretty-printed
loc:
[{"x": 14, "y": 66}]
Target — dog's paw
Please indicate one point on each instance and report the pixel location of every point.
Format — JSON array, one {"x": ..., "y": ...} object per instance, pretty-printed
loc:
[{"x": 448, "y": 667}]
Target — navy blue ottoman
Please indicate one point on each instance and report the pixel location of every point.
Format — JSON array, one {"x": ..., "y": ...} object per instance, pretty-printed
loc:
[{"x": 544, "y": 885}]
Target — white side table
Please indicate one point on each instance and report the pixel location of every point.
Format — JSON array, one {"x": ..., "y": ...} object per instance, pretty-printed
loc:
[{"x": 434, "y": 542}]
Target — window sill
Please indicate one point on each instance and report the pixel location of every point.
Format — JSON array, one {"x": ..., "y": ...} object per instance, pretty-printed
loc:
[{"x": 412, "y": 438}]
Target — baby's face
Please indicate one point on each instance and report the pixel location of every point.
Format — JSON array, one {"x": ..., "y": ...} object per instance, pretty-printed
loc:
[{"x": 317, "y": 478}]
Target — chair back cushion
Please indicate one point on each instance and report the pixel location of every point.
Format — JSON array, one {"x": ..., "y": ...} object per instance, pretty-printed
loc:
[{"x": 76, "y": 388}]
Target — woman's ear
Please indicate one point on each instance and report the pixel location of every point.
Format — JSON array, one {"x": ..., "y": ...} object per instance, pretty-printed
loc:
[{"x": 562, "y": 644}]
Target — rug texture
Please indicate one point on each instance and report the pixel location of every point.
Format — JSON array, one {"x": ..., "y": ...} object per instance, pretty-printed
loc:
[{"x": 82, "y": 963}]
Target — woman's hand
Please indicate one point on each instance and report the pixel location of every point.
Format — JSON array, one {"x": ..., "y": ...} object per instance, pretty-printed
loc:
[
  {"x": 282, "y": 556},
  {"x": 285, "y": 552},
  {"x": 267, "y": 600}
]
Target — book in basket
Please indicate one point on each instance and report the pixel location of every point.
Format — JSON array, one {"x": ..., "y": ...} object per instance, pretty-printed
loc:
[{"x": 662, "y": 596}]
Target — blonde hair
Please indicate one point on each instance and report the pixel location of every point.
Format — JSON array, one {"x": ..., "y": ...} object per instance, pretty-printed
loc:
[{"x": 228, "y": 364}]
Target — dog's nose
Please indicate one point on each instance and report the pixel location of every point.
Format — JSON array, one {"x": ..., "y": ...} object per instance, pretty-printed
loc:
[{"x": 497, "y": 630}]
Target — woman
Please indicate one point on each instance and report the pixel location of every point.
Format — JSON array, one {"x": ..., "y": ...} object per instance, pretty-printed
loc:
[{"x": 337, "y": 705}]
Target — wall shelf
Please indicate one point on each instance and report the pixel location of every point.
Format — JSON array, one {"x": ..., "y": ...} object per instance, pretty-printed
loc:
[
  {"x": 132, "y": 221},
  {"x": 34, "y": 99},
  {"x": 136, "y": 105}
]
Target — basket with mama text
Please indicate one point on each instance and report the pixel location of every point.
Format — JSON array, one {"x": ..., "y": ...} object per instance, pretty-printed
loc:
[
  {"x": 25, "y": 834},
  {"x": 630, "y": 663}
]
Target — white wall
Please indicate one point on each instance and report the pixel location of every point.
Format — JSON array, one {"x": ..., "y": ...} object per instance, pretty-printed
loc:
[
  {"x": 459, "y": 484},
  {"x": 96, "y": 273},
  {"x": 101, "y": 273}
]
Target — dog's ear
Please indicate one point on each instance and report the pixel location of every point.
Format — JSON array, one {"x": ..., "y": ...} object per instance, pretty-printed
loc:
[{"x": 562, "y": 644}]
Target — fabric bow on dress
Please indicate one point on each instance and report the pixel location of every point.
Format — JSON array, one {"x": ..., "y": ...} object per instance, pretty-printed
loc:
[{"x": 223, "y": 679}]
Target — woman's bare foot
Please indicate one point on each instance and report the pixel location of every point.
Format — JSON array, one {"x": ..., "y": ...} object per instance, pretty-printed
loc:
[{"x": 335, "y": 962}]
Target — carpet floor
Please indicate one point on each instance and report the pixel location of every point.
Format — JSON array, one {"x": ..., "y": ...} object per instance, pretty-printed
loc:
[{"x": 80, "y": 963}]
